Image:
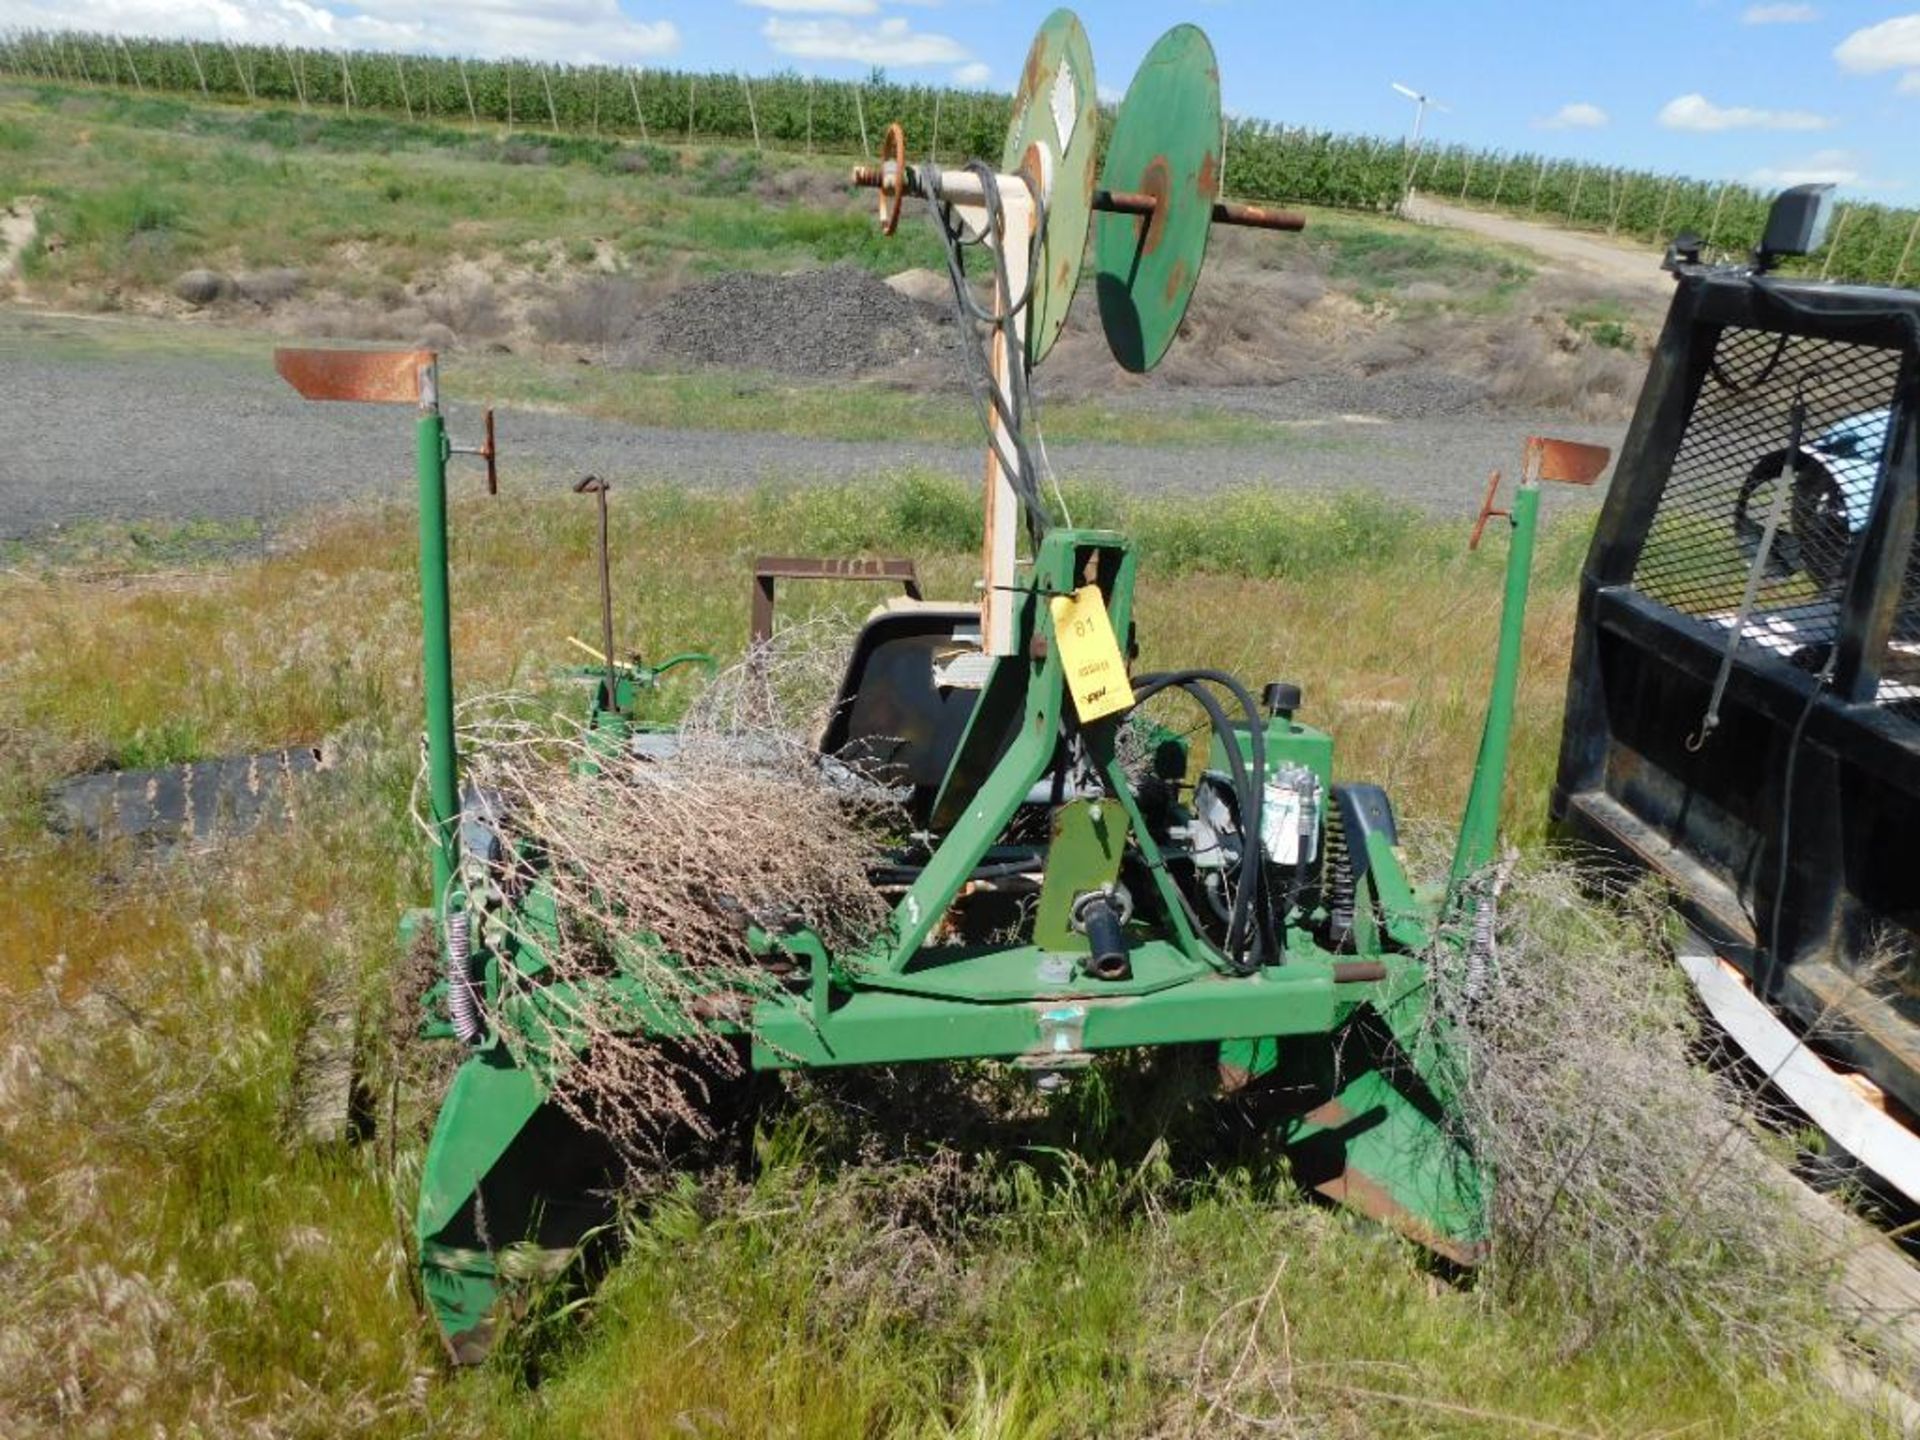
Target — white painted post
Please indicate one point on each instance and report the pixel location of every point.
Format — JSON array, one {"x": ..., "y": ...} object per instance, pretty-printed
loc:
[
  {"x": 1666, "y": 204},
  {"x": 1579, "y": 179},
  {"x": 753, "y": 116},
  {"x": 346, "y": 83},
  {"x": 552, "y": 114},
  {"x": 473, "y": 111},
  {"x": 296, "y": 65},
  {"x": 690, "y": 97},
  {"x": 860, "y": 113},
  {"x": 1500, "y": 183},
  {"x": 1001, "y": 538},
  {"x": 400, "y": 70},
  {"x": 1539, "y": 178},
  {"x": 934, "y": 149},
  {"x": 809, "y": 114}
]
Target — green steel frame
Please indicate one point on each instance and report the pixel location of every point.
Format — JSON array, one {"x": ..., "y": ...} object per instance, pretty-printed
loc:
[{"x": 1380, "y": 1139}]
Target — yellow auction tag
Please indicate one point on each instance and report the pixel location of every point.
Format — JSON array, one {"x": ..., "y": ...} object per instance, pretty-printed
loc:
[{"x": 1096, "y": 671}]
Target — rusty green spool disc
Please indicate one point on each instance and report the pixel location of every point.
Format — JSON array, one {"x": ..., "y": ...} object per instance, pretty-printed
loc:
[
  {"x": 1165, "y": 143},
  {"x": 1057, "y": 105}
]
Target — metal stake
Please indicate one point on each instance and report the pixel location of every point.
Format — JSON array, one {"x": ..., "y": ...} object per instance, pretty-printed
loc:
[
  {"x": 595, "y": 486},
  {"x": 437, "y": 631}
]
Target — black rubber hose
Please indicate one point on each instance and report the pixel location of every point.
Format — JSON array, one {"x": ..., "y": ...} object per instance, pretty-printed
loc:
[
  {"x": 1241, "y": 953},
  {"x": 1246, "y": 952}
]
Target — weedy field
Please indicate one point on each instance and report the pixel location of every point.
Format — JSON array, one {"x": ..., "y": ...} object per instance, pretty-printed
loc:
[
  {"x": 907, "y": 1262},
  {"x": 941, "y": 1254}
]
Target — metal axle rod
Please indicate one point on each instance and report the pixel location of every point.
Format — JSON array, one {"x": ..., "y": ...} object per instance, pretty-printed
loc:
[
  {"x": 1225, "y": 212},
  {"x": 962, "y": 187}
]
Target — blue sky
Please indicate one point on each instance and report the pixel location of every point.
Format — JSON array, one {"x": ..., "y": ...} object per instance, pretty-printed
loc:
[{"x": 1770, "y": 93}]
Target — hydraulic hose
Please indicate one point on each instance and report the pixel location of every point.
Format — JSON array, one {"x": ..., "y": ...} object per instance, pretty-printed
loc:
[
  {"x": 1247, "y": 947},
  {"x": 1012, "y": 410}
]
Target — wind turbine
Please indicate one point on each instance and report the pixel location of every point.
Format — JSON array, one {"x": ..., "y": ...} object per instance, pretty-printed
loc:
[{"x": 1420, "y": 104}]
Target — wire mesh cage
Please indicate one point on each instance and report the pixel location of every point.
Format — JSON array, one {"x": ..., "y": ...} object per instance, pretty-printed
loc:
[
  {"x": 1899, "y": 684},
  {"x": 1737, "y": 511}
]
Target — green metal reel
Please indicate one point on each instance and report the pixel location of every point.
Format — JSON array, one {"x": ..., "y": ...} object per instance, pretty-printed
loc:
[
  {"x": 1057, "y": 105},
  {"x": 1166, "y": 143}
]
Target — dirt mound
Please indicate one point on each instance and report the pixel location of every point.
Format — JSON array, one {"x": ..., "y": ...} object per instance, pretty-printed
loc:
[
  {"x": 841, "y": 320},
  {"x": 19, "y": 224}
]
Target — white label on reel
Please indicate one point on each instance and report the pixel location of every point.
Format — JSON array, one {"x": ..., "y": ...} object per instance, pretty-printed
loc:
[{"x": 1066, "y": 106}]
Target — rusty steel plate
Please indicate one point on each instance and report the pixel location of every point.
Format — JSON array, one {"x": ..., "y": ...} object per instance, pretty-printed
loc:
[
  {"x": 378, "y": 377},
  {"x": 1566, "y": 461},
  {"x": 1165, "y": 143},
  {"x": 1056, "y": 105}
]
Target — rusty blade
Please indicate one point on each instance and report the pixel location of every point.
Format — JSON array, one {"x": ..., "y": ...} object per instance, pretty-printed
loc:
[
  {"x": 1566, "y": 461},
  {"x": 376, "y": 377}
]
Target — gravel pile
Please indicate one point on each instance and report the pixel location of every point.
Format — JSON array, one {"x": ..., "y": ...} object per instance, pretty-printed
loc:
[{"x": 838, "y": 321}]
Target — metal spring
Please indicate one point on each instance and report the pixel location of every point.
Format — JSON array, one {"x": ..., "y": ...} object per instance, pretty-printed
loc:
[
  {"x": 463, "y": 1001},
  {"x": 1480, "y": 950}
]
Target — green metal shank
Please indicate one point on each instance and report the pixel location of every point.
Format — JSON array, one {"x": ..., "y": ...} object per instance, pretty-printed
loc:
[
  {"x": 443, "y": 792},
  {"x": 1379, "y": 1136},
  {"x": 1480, "y": 825}
]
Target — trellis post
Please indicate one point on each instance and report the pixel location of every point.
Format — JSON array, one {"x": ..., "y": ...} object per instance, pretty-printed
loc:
[{"x": 1900, "y": 270}]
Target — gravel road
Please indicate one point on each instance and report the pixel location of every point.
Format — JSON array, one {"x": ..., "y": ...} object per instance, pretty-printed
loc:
[
  {"x": 130, "y": 436},
  {"x": 1623, "y": 262}
]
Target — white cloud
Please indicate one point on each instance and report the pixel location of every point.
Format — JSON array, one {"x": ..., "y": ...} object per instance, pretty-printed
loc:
[
  {"x": 976, "y": 72},
  {"x": 816, "y": 7},
  {"x": 1891, "y": 45},
  {"x": 1910, "y": 83},
  {"x": 1696, "y": 112},
  {"x": 892, "y": 42},
  {"x": 1578, "y": 115},
  {"x": 1780, "y": 15},
  {"x": 578, "y": 31},
  {"x": 1830, "y": 167}
]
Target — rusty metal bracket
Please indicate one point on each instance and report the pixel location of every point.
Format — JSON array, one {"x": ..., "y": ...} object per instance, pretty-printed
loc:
[
  {"x": 1565, "y": 462},
  {"x": 1562, "y": 462},
  {"x": 373, "y": 377},
  {"x": 486, "y": 450},
  {"x": 770, "y": 569},
  {"x": 1487, "y": 511}
]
